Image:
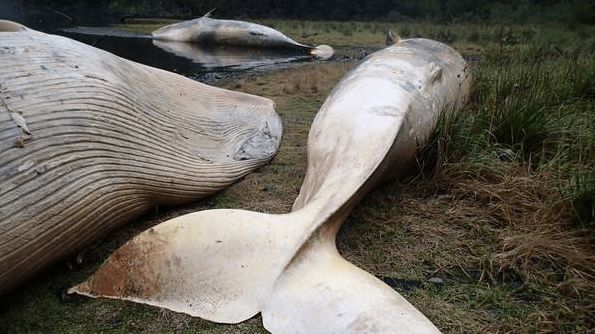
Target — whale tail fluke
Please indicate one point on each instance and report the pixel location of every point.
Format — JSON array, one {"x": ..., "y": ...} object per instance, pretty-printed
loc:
[
  {"x": 219, "y": 265},
  {"x": 322, "y": 51},
  {"x": 228, "y": 265},
  {"x": 321, "y": 292}
]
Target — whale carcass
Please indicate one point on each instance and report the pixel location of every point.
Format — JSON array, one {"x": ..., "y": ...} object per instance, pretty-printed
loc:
[
  {"x": 209, "y": 31},
  {"x": 89, "y": 140},
  {"x": 227, "y": 265}
]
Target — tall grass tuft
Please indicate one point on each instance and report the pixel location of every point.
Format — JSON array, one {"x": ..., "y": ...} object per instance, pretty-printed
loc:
[
  {"x": 525, "y": 147},
  {"x": 523, "y": 150},
  {"x": 531, "y": 104}
]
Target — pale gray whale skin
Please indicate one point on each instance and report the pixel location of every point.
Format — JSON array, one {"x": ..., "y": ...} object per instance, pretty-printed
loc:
[
  {"x": 206, "y": 30},
  {"x": 89, "y": 141}
]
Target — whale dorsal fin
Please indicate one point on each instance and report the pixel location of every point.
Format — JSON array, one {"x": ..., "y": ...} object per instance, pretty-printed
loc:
[
  {"x": 210, "y": 12},
  {"x": 392, "y": 37}
]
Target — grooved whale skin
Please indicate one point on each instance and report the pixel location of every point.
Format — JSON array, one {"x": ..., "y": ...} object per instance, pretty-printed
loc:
[{"x": 89, "y": 140}]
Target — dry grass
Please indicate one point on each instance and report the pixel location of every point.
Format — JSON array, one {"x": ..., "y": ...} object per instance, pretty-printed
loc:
[
  {"x": 537, "y": 235},
  {"x": 304, "y": 80},
  {"x": 506, "y": 252}
]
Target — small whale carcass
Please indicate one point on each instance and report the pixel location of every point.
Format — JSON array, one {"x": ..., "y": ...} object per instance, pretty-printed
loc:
[{"x": 209, "y": 31}]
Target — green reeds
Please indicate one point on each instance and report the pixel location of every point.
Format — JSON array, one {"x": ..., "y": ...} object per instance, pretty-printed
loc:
[{"x": 533, "y": 105}]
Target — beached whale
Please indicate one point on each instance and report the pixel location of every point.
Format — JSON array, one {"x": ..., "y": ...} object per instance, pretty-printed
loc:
[
  {"x": 89, "y": 140},
  {"x": 227, "y": 265},
  {"x": 206, "y": 30}
]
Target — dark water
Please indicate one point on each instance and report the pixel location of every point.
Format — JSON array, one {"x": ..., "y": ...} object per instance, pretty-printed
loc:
[{"x": 203, "y": 63}]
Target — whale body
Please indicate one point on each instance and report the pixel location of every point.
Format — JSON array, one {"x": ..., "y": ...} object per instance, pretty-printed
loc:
[
  {"x": 89, "y": 141},
  {"x": 209, "y": 31}
]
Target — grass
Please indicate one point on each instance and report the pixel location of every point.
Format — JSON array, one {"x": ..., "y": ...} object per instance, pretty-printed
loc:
[
  {"x": 466, "y": 37},
  {"x": 494, "y": 233}
]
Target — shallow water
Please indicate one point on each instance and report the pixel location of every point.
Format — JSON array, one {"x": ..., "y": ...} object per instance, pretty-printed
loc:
[{"x": 203, "y": 63}]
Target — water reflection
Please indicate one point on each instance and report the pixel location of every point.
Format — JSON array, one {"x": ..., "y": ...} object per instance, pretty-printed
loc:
[
  {"x": 228, "y": 57},
  {"x": 203, "y": 63}
]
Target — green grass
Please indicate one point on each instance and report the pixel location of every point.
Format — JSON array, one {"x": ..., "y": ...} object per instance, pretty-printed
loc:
[
  {"x": 532, "y": 105},
  {"x": 523, "y": 149},
  {"x": 467, "y": 37},
  {"x": 501, "y": 208}
]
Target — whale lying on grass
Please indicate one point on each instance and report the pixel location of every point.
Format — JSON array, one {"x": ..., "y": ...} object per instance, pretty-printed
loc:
[
  {"x": 227, "y": 265},
  {"x": 89, "y": 141},
  {"x": 208, "y": 31}
]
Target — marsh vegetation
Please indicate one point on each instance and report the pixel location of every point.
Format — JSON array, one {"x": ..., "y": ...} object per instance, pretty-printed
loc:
[{"x": 493, "y": 233}]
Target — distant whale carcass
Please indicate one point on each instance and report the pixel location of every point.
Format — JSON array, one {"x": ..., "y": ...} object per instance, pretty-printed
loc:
[{"x": 206, "y": 30}]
